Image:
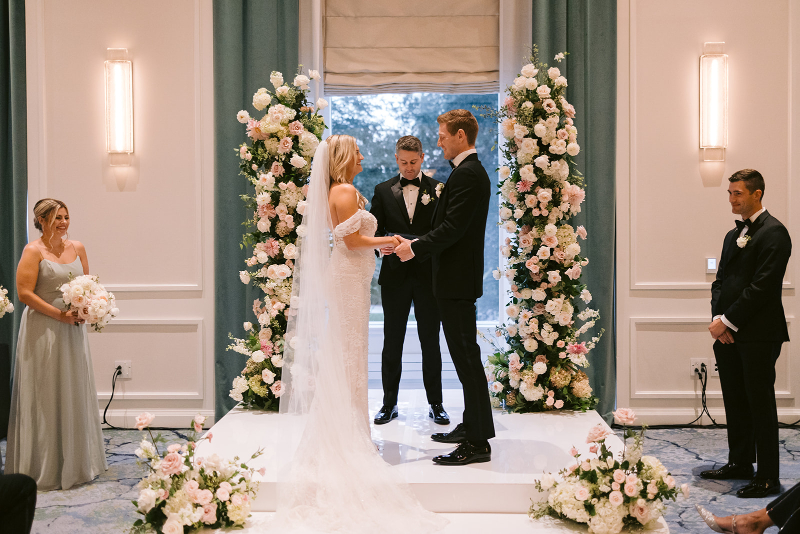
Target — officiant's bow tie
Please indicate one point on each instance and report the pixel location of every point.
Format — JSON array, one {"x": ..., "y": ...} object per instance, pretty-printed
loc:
[
  {"x": 415, "y": 181},
  {"x": 742, "y": 224}
]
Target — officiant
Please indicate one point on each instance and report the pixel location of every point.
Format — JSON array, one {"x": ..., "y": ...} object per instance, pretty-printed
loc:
[{"x": 404, "y": 205}]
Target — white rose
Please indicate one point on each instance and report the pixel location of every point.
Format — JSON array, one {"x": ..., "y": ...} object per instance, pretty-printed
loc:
[
  {"x": 302, "y": 230},
  {"x": 267, "y": 376},
  {"x": 263, "y": 225},
  {"x": 540, "y": 368},
  {"x": 321, "y": 104},
  {"x": 243, "y": 116},
  {"x": 290, "y": 252},
  {"x": 505, "y": 172},
  {"x": 258, "y": 356},
  {"x": 526, "y": 173},
  {"x": 531, "y": 84},
  {"x": 301, "y": 207},
  {"x": 496, "y": 274},
  {"x": 560, "y": 82},
  {"x": 512, "y": 311},
  {"x": 510, "y": 227},
  {"x": 301, "y": 81},
  {"x": 518, "y": 213},
  {"x": 530, "y": 345},
  {"x": 276, "y": 79},
  {"x": 553, "y": 73},
  {"x": 543, "y": 91},
  {"x": 282, "y": 91},
  {"x": 244, "y": 277},
  {"x": 519, "y": 82},
  {"x": 314, "y": 74},
  {"x": 505, "y": 213},
  {"x": 529, "y": 70},
  {"x": 547, "y": 481},
  {"x": 248, "y": 326},
  {"x": 298, "y": 161},
  {"x": 147, "y": 499},
  {"x": 261, "y": 99},
  {"x": 542, "y": 162},
  {"x": 540, "y": 129}
]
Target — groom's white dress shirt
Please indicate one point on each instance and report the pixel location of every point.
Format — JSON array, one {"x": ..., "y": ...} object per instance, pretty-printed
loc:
[
  {"x": 752, "y": 219},
  {"x": 410, "y": 195}
]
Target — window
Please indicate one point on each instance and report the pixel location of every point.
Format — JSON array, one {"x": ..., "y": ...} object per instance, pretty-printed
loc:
[{"x": 378, "y": 121}]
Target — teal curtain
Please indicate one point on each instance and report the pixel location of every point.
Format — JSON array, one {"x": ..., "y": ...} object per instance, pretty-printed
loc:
[
  {"x": 13, "y": 158},
  {"x": 252, "y": 38},
  {"x": 588, "y": 31}
]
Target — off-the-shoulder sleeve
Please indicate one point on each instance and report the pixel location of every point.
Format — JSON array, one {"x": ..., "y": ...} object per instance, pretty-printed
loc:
[{"x": 353, "y": 224}]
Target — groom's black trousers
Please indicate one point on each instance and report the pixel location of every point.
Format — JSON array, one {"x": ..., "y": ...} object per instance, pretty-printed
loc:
[
  {"x": 747, "y": 380},
  {"x": 397, "y": 301},
  {"x": 459, "y": 323}
]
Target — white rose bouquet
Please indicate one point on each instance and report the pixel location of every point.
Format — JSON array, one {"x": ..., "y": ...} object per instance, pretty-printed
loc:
[
  {"x": 6, "y": 306},
  {"x": 547, "y": 332},
  {"x": 93, "y": 303},
  {"x": 609, "y": 493},
  {"x": 277, "y": 162},
  {"x": 183, "y": 490}
]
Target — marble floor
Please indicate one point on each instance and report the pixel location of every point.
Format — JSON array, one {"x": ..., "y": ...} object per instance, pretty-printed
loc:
[{"x": 103, "y": 506}]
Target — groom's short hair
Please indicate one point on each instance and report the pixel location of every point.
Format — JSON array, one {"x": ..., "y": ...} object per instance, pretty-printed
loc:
[
  {"x": 460, "y": 119},
  {"x": 410, "y": 143},
  {"x": 752, "y": 179}
]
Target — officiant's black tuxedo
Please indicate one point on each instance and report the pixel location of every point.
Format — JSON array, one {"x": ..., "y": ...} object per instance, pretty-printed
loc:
[
  {"x": 405, "y": 282},
  {"x": 455, "y": 245},
  {"x": 747, "y": 291}
]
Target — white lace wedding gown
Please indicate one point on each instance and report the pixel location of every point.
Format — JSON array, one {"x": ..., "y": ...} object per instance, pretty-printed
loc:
[{"x": 337, "y": 482}]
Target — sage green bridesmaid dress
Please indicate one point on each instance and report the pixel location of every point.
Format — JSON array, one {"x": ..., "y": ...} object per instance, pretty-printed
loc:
[{"x": 54, "y": 430}]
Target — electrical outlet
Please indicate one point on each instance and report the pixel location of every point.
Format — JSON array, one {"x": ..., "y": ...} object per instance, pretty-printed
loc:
[
  {"x": 713, "y": 370},
  {"x": 126, "y": 368},
  {"x": 695, "y": 364}
]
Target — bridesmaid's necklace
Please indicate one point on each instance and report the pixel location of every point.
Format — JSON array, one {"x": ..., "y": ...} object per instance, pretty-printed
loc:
[{"x": 52, "y": 250}]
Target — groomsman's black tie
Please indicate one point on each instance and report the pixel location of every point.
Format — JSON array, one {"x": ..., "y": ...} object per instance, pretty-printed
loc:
[
  {"x": 415, "y": 181},
  {"x": 742, "y": 224}
]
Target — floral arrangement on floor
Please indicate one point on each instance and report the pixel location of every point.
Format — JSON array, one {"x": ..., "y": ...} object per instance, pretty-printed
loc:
[
  {"x": 93, "y": 303},
  {"x": 609, "y": 493},
  {"x": 6, "y": 306},
  {"x": 277, "y": 162},
  {"x": 539, "y": 367},
  {"x": 183, "y": 490}
]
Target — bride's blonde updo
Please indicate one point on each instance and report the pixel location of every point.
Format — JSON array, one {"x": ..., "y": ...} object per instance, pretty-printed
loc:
[
  {"x": 47, "y": 208},
  {"x": 342, "y": 152}
]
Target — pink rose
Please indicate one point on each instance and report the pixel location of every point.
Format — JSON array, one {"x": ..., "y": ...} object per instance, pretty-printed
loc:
[
  {"x": 550, "y": 401},
  {"x": 162, "y": 494},
  {"x": 619, "y": 476},
  {"x": 625, "y": 416},
  {"x": 581, "y": 493},
  {"x": 631, "y": 490},
  {"x": 143, "y": 420},
  {"x": 191, "y": 488},
  {"x": 224, "y": 492},
  {"x": 197, "y": 426},
  {"x": 203, "y": 497},
  {"x": 295, "y": 128},
  {"x": 615, "y": 486},
  {"x": 573, "y": 451},
  {"x": 640, "y": 511},
  {"x": 236, "y": 500},
  {"x": 175, "y": 447},
  {"x": 631, "y": 479},
  {"x": 210, "y": 513},
  {"x": 559, "y": 404},
  {"x": 172, "y": 526},
  {"x": 615, "y": 498},
  {"x": 276, "y": 169},
  {"x": 285, "y": 146},
  {"x": 574, "y": 272},
  {"x": 571, "y": 469},
  {"x": 597, "y": 433},
  {"x": 172, "y": 463},
  {"x": 581, "y": 231},
  {"x": 593, "y": 448},
  {"x": 670, "y": 482},
  {"x": 277, "y": 388},
  {"x": 586, "y": 466}
]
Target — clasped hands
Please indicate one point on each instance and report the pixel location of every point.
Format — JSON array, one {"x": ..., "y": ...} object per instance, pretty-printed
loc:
[
  {"x": 401, "y": 247},
  {"x": 720, "y": 332}
]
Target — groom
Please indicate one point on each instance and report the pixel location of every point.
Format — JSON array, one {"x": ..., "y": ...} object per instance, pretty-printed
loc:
[{"x": 455, "y": 244}]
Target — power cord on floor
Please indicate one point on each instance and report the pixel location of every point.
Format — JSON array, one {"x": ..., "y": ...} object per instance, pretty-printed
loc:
[
  {"x": 702, "y": 374},
  {"x": 117, "y": 372}
]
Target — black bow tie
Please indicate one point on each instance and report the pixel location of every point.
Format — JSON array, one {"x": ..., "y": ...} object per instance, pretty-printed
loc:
[
  {"x": 415, "y": 181},
  {"x": 452, "y": 166},
  {"x": 742, "y": 224}
]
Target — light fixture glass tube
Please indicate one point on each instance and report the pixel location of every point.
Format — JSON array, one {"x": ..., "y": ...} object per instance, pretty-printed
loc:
[
  {"x": 714, "y": 101},
  {"x": 119, "y": 105}
]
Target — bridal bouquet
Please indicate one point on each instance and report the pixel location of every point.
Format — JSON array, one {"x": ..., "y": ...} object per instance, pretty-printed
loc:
[
  {"x": 6, "y": 305},
  {"x": 539, "y": 366},
  {"x": 183, "y": 490},
  {"x": 276, "y": 162},
  {"x": 609, "y": 493},
  {"x": 94, "y": 304}
]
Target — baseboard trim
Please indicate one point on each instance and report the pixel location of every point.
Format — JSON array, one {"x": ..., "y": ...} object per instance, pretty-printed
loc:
[{"x": 165, "y": 418}]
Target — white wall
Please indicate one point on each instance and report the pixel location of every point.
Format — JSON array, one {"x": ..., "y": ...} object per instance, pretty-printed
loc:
[
  {"x": 148, "y": 231},
  {"x": 669, "y": 219}
]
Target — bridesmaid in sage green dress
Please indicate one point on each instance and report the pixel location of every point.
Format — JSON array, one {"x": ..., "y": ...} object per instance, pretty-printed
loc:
[{"x": 54, "y": 431}]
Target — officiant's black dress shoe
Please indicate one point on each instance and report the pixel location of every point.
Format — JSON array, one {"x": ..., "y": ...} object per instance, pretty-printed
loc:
[
  {"x": 760, "y": 487},
  {"x": 439, "y": 416},
  {"x": 385, "y": 414},
  {"x": 457, "y": 435},
  {"x": 466, "y": 453},
  {"x": 729, "y": 471}
]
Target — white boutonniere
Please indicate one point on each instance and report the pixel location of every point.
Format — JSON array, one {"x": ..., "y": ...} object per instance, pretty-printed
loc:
[
  {"x": 742, "y": 241},
  {"x": 439, "y": 188},
  {"x": 426, "y": 198}
]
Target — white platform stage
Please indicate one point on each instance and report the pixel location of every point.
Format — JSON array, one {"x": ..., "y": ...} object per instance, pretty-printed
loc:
[{"x": 491, "y": 494}]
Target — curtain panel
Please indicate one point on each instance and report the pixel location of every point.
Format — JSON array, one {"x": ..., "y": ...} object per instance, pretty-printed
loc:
[
  {"x": 588, "y": 31},
  {"x": 252, "y": 38},
  {"x": 382, "y": 46}
]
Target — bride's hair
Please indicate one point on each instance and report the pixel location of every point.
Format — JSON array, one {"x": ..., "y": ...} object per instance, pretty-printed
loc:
[{"x": 343, "y": 151}]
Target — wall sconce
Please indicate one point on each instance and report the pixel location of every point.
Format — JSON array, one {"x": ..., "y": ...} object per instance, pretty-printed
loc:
[
  {"x": 119, "y": 107},
  {"x": 713, "y": 102}
]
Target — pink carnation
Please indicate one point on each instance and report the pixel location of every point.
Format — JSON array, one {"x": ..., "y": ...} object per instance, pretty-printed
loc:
[{"x": 523, "y": 186}]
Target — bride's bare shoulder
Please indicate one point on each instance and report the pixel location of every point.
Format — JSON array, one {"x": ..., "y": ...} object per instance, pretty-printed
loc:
[{"x": 343, "y": 195}]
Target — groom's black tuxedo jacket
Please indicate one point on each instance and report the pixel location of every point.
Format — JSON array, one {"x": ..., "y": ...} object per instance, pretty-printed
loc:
[
  {"x": 750, "y": 279},
  {"x": 456, "y": 241},
  {"x": 389, "y": 208}
]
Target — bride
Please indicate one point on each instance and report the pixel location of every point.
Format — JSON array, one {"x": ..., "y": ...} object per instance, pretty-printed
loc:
[{"x": 330, "y": 476}]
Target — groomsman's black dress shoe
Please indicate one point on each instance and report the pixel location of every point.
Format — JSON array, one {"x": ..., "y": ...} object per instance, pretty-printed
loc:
[
  {"x": 466, "y": 453},
  {"x": 457, "y": 435},
  {"x": 385, "y": 414},
  {"x": 728, "y": 471},
  {"x": 439, "y": 416},
  {"x": 760, "y": 487}
]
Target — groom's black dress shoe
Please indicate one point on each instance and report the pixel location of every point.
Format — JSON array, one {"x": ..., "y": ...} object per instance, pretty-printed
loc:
[
  {"x": 385, "y": 414},
  {"x": 457, "y": 435},
  {"x": 729, "y": 471},
  {"x": 439, "y": 416},
  {"x": 760, "y": 487},
  {"x": 466, "y": 453}
]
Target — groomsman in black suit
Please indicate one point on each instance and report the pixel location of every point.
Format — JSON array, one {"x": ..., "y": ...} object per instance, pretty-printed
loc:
[
  {"x": 749, "y": 327},
  {"x": 404, "y": 205},
  {"x": 456, "y": 247}
]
